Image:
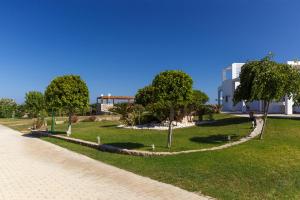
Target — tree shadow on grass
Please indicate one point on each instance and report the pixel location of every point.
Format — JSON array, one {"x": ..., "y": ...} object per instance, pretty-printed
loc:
[
  {"x": 58, "y": 132},
  {"x": 109, "y": 126},
  {"x": 126, "y": 145},
  {"x": 227, "y": 121},
  {"x": 214, "y": 139}
]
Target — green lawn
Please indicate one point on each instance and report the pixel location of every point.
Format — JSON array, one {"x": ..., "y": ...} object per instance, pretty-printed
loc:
[
  {"x": 267, "y": 169},
  {"x": 184, "y": 138}
]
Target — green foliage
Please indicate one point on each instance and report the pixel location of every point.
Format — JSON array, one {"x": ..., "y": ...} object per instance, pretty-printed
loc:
[
  {"x": 145, "y": 96},
  {"x": 34, "y": 103},
  {"x": 7, "y": 107},
  {"x": 131, "y": 114},
  {"x": 267, "y": 80},
  {"x": 197, "y": 104},
  {"x": 69, "y": 93},
  {"x": 173, "y": 87},
  {"x": 167, "y": 97},
  {"x": 20, "y": 110},
  {"x": 199, "y": 97}
]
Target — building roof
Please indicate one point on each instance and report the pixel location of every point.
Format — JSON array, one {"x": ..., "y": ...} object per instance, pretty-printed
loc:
[{"x": 117, "y": 97}]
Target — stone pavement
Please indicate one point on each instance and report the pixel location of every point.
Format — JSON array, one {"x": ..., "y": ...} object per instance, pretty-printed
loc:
[{"x": 33, "y": 169}]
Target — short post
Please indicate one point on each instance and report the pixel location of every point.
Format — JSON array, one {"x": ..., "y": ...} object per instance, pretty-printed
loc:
[
  {"x": 153, "y": 147},
  {"x": 98, "y": 140},
  {"x": 53, "y": 122},
  {"x": 228, "y": 137}
]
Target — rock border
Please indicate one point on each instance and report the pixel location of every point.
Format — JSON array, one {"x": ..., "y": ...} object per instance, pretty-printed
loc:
[{"x": 113, "y": 149}]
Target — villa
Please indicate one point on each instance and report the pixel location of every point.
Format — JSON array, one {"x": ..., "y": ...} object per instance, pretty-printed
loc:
[
  {"x": 104, "y": 103},
  {"x": 230, "y": 81}
]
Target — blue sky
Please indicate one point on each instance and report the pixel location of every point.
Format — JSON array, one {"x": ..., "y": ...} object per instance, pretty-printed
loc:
[{"x": 117, "y": 46}]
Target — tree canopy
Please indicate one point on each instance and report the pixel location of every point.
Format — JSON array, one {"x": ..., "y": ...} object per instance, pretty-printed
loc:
[
  {"x": 69, "y": 93},
  {"x": 34, "y": 103},
  {"x": 145, "y": 96},
  {"x": 268, "y": 81},
  {"x": 7, "y": 107},
  {"x": 169, "y": 92}
]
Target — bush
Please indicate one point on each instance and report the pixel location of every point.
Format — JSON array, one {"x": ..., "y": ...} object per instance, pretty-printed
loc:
[{"x": 131, "y": 114}]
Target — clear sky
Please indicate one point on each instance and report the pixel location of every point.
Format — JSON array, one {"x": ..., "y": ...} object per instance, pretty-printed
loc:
[{"x": 117, "y": 46}]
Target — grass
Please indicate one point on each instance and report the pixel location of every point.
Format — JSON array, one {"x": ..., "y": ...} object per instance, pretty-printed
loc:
[
  {"x": 258, "y": 169},
  {"x": 184, "y": 138}
]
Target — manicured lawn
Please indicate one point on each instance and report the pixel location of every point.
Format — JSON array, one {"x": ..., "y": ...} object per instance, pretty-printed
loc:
[
  {"x": 18, "y": 124},
  {"x": 267, "y": 169},
  {"x": 184, "y": 139}
]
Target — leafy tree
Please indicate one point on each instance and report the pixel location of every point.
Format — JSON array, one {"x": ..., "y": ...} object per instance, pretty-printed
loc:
[
  {"x": 145, "y": 96},
  {"x": 69, "y": 93},
  {"x": 35, "y": 103},
  {"x": 20, "y": 110},
  {"x": 267, "y": 80},
  {"x": 197, "y": 104},
  {"x": 172, "y": 91},
  {"x": 199, "y": 97},
  {"x": 7, "y": 107},
  {"x": 130, "y": 113}
]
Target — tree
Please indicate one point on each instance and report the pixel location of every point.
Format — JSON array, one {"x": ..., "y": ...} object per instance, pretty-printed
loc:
[
  {"x": 130, "y": 113},
  {"x": 69, "y": 93},
  {"x": 35, "y": 103},
  {"x": 7, "y": 107},
  {"x": 145, "y": 96},
  {"x": 20, "y": 110},
  {"x": 197, "y": 103},
  {"x": 267, "y": 80},
  {"x": 172, "y": 91}
]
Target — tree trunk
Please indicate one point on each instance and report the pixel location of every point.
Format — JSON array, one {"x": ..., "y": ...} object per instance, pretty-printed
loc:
[
  {"x": 69, "y": 132},
  {"x": 266, "y": 110},
  {"x": 170, "y": 133},
  {"x": 139, "y": 118}
]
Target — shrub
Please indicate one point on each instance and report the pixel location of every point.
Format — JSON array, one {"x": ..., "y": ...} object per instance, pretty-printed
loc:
[{"x": 131, "y": 114}]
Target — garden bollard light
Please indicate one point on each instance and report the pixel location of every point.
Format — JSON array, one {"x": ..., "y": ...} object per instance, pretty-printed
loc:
[
  {"x": 228, "y": 137},
  {"x": 153, "y": 147},
  {"x": 98, "y": 139}
]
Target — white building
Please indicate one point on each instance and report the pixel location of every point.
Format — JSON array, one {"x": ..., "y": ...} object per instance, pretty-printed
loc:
[{"x": 230, "y": 81}]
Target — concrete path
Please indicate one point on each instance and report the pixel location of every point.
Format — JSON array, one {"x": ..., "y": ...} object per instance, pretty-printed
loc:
[{"x": 33, "y": 169}]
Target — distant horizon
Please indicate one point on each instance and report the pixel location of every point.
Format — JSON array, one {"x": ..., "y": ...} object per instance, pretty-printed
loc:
[{"x": 118, "y": 46}]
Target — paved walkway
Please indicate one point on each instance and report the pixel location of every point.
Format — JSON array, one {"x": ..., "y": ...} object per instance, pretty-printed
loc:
[{"x": 33, "y": 169}]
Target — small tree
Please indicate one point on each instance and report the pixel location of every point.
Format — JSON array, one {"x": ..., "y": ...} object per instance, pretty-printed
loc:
[
  {"x": 35, "y": 103},
  {"x": 69, "y": 93},
  {"x": 7, "y": 107},
  {"x": 172, "y": 91},
  {"x": 130, "y": 113},
  {"x": 197, "y": 103},
  {"x": 267, "y": 80}
]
